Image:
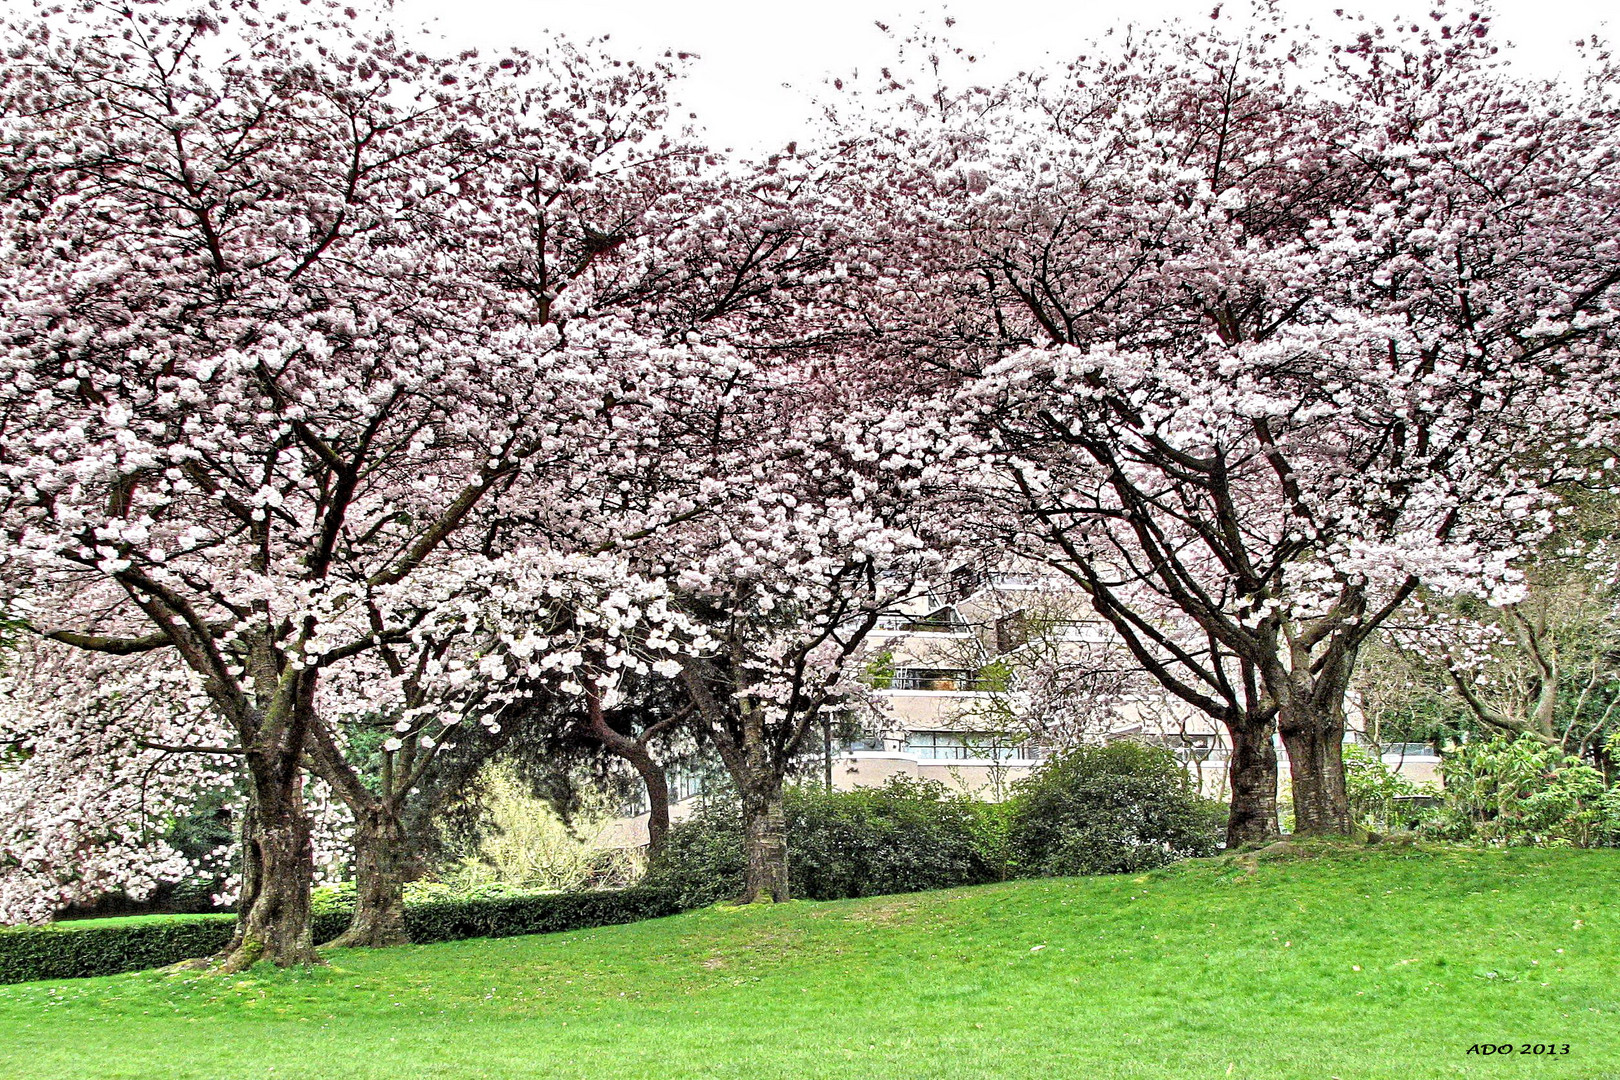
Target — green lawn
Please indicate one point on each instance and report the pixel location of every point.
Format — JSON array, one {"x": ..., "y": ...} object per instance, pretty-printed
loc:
[{"x": 1384, "y": 963}]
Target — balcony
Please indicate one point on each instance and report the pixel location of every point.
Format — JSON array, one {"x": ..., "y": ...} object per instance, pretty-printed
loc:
[
  {"x": 968, "y": 746},
  {"x": 958, "y": 680}
]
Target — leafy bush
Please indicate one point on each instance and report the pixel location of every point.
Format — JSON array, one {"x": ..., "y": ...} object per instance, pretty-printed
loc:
[
  {"x": 67, "y": 950},
  {"x": 1380, "y": 797},
  {"x": 528, "y": 847},
  {"x": 903, "y": 837},
  {"x": 1117, "y": 808},
  {"x": 703, "y": 861},
  {"x": 1522, "y": 791},
  {"x": 906, "y": 836},
  {"x": 341, "y": 896},
  {"x": 453, "y": 920}
]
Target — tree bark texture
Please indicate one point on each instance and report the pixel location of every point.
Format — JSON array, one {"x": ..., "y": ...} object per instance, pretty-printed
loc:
[
  {"x": 381, "y": 858},
  {"x": 1314, "y": 739},
  {"x": 656, "y": 781},
  {"x": 1252, "y": 771},
  {"x": 765, "y": 844},
  {"x": 273, "y": 921}
]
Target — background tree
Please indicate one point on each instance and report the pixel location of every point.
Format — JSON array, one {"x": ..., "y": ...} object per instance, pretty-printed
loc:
[
  {"x": 98, "y": 763},
  {"x": 1250, "y": 348}
]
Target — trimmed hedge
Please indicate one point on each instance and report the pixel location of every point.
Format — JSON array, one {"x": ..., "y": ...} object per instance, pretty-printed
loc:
[
  {"x": 509, "y": 916},
  {"x": 64, "y": 952}
]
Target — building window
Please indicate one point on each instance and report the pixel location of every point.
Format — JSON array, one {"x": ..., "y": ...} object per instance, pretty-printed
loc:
[{"x": 962, "y": 745}]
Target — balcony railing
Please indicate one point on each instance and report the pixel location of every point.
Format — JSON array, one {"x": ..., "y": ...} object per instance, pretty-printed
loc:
[
  {"x": 925, "y": 624},
  {"x": 943, "y": 680}
]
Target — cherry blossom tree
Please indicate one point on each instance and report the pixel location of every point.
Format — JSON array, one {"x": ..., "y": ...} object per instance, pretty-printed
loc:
[
  {"x": 785, "y": 579},
  {"x": 290, "y": 307},
  {"x": 1254, "y": 333}
]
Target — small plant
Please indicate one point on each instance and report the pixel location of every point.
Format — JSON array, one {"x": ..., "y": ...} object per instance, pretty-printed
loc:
[
  {"x": 879, "y": 670},
  {"x": 1380, "y": 798},
  {"x": 528, "y": 848},
  {"x": 906, "y": 836}
]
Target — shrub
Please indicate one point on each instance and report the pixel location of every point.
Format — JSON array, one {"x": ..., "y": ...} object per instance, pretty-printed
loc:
[
  {"x": 527, "y": 846},
  {"x": 703, "y": 861},
  {"x": 903, "y": 837},
  {"x": 1522, "y": 792},
  {"x": 906, "y": 836},
  {"x": 1380, "y": 797},
  {"x": 508, "y": 916},
  {"x": 67, "y": 951},
  {"x": 1117, "y": 808}
]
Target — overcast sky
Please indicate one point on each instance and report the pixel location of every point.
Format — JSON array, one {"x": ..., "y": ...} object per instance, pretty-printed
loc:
[{"x": 748, "y": 51}]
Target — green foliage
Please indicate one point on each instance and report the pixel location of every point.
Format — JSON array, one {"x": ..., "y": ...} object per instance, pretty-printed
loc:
[
  {"x": 508, "y": 916},
  {"x": 1523, "y": 792},
  {"x": 879, "y": 671},
  {"x": 74, "y": 950},
  {"x": 703, "y": 860},
  {"x": 996, "y": 677},
  {"x": 1118, "y": 808},
  {"x": 1380, "y": 798},
  {"x": 526, "y": 846},
  {"x": 903, "y": 837},
  {"x": 67, "y": 951},
  {"x": 1122, "y": 807},
  {"x": 906, "y": 836}
]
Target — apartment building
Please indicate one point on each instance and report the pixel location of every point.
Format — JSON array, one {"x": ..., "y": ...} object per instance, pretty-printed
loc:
[{"x": 945, "y": 669}]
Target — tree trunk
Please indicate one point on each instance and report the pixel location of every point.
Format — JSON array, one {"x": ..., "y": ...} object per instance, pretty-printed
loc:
[
  {"x": 278, "y": 865},
  {"x": 380, "y": 859},
  {"x": 764, "y": 843},
  {"x": 656, "y": 781},
  {"x": 1314, "y": 740},
  {"x": 1253, "y": 775},
  {"x": 764, "y": 819}
]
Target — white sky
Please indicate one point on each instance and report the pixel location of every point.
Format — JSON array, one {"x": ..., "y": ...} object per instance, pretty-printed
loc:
[{"x": 748, "y": 51}]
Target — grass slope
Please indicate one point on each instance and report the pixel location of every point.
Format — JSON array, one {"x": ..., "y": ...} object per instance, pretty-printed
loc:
[{"x": 1383, "y": 963}]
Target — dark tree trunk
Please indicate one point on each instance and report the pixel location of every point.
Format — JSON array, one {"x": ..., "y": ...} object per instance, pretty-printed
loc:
[
  {"x": 656, "y": 781},
  {"x": 1314, "y": 740},
  {"x": 637, "y": 752},
  {"x": 1253, "y": 775},
  {"x": 278, "y": 865},
  {"x": 381, "y": 858},
  {"x": 764, "y": 843}
]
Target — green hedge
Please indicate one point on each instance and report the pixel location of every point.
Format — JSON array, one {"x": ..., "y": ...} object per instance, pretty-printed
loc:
[{"x": 64, "y": 951}]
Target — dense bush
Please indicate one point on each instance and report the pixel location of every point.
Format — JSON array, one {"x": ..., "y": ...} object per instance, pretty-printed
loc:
[
  {"x": 1381, "y": 798},
  {"x": 66, "y": 951},
  {"x": 1523, "y": 791},
  {"x": 1117, "y": 808},
  {"x": 906, "y": 836},
  {"x": 508, "y": 916}
]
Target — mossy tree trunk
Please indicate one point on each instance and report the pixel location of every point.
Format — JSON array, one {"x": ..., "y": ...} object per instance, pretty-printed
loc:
[{"x": 273, "y": 920}]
